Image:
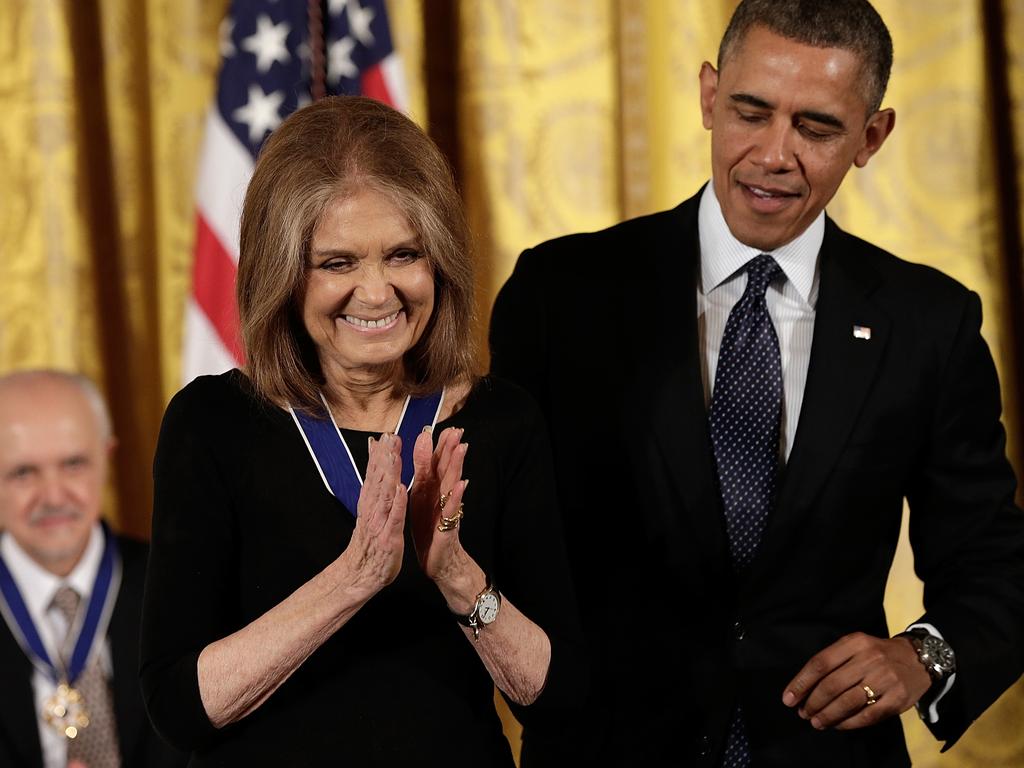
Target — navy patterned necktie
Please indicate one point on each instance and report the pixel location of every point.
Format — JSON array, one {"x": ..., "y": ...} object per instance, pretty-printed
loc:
[
  {"x": 746, "y": 413},
  {"x": 746, "y": 416}
]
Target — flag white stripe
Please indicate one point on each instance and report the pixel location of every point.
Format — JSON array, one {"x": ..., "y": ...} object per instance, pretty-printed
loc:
[
  {"x": 204, "y": 352},
  {"x": 225, "y": 169},
  {"x": 394, "y": 78}
]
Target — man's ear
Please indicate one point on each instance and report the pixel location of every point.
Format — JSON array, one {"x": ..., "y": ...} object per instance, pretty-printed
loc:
[
  {"x": 877, "y": 130},
  {"x": 708, "y": 90}
]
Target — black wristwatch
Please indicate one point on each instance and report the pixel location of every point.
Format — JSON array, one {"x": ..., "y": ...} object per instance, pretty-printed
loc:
[
  {"x": 485, "y": 610},
  {"x": 934, "y": 652}
]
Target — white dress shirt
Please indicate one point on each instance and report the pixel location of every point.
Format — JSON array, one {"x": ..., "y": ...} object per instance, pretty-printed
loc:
[
  {"x": 791, "y": 306},
  {"x": 790, "y": 302},
  {"x": 37, "y": 587}
]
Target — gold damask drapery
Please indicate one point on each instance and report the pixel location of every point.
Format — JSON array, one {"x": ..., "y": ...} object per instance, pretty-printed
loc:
[{"x": 559, "y": 115}]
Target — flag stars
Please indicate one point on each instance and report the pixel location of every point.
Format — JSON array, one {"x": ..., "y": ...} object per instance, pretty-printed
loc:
[
  {"x": 268, "y": 43},
  {"x": 262, "y": 112},
  {"x": 359, "y": 19},
  {"x": 339, "y": 60}
]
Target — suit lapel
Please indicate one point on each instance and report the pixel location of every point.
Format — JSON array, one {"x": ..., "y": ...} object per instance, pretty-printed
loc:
[
  {"x": 670, "y": 397},
  {"x": 842, "y": 369},
  {"x": 18, "y": 724},
  {"x": 123, "y": 635},
  {"x": 679, "y": 428}
]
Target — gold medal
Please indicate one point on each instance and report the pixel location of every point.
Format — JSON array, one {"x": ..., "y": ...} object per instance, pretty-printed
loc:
[{"x": 65, "y": 711}]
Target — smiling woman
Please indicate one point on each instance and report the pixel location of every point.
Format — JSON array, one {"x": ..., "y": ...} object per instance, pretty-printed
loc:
[
  {"x": 339, "y": 161},
  {"x": 370, "y": 291},
  {"x": 280, "y": 521}
]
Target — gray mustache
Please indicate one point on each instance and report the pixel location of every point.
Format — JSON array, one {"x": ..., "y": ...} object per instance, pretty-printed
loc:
[{"x": 46, "y": 512}]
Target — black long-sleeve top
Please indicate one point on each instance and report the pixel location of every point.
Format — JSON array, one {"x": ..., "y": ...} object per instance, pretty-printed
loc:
[{"x": 242, "y": 519}]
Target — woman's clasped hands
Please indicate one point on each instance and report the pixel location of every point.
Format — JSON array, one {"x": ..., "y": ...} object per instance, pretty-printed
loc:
[{"x": 434, "y": 505}]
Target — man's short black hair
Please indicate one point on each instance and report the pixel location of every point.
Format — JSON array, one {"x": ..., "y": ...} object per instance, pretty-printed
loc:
[{"x": 853, "y": 25}]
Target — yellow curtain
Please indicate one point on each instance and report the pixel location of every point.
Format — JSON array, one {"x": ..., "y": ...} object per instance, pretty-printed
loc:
[
  {"x": 102, "y": 116},
  {"x": 569, "y": 115}
]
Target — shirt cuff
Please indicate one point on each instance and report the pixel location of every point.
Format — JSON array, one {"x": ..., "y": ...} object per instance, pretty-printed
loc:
[{"x": 931, "y": 714}]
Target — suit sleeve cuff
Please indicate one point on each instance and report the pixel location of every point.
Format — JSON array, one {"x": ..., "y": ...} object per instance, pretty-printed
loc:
[{"x": 930, "y": 713}]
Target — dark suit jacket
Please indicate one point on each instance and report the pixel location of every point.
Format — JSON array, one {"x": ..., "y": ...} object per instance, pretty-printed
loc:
[
  {"x": 601, "y": 329},
  {"x": 140, "y": 746}
]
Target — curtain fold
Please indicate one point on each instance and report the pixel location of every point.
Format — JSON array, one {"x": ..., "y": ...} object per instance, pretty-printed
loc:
[{"x": 537, "y": 130}]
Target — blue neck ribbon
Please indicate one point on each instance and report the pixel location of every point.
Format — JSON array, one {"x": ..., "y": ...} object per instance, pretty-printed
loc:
[
  {"x": 97, "y": 615},
  {"x": 334, "y": 459}
]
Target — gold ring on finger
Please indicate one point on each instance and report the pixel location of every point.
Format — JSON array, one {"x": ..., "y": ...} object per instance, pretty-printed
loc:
[
  {"x": 450, "y": 523},
  {"x": 872, "y": 697},
  {"x": 444, "y": 499}
]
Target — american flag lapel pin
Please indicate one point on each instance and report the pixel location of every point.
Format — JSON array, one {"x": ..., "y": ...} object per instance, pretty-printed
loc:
[{"x": 862, "y": 332}]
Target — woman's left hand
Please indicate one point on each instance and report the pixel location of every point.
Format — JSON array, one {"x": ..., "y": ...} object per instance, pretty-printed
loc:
[
  {"x": 438, "y": 473},
  {"x": 515, "y": 651}
]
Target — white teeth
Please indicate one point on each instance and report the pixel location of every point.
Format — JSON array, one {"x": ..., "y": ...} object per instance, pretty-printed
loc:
[
  {"x": 361, "y": 323},
  {"x": 761, "y": 192}
]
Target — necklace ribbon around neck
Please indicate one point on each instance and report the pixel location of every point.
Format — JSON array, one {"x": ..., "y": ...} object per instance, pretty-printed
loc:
[
  {"x": 93, "y": 625},
  {"x": 331, "y": 453}
]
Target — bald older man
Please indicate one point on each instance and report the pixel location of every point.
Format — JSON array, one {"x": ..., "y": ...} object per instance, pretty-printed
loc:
[{"x": 70, "y": 591}]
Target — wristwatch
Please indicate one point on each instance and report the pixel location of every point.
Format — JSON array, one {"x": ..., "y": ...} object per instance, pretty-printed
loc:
[
  {"x": 934, "y": 652},
  {"x": 485, "y": 610}
]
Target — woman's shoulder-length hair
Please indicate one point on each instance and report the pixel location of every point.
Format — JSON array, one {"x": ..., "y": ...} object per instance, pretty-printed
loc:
[{"x": 326, "y": 151}]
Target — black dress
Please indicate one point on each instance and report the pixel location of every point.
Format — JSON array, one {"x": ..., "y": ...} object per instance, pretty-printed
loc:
[{"x": 242, "y": 519}]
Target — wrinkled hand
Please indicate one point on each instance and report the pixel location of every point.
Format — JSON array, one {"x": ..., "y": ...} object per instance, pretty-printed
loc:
[
  {"x": 375, "y": 550},
  {"x": 438, "y": 470},
  {"x": 829, "y": 690}
]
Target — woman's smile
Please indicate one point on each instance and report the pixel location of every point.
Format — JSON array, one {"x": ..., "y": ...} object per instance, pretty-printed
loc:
[
  {"x": 370, "y": 291},
  {"x": 370, "y": 324}
]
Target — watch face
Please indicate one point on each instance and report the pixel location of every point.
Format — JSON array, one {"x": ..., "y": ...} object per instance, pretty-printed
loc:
[
  {"x": 937, "y": 652},
  {"x": 487, "y": 608}
]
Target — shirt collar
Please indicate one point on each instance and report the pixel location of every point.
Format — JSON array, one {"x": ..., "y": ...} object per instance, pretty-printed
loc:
[
  {"x": 722, "y": 255},
  {"x": 38, "y": 586}
]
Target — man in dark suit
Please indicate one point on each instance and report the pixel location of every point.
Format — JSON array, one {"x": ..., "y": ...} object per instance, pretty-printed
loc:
[
  {"x": 71, "y": 695},
  {"x": 741, "y": 396}
]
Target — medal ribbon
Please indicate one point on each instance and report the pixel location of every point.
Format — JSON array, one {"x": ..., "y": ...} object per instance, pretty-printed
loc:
[
  {"x": 97, "y": 614},
  {"x": 337, "y": 467}
]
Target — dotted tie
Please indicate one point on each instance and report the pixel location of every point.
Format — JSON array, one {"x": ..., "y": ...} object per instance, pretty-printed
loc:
[
  {"x": 746, "y": 414},
  {"x": 737, "y": 748},
  {"x": 96, "y": 744}
]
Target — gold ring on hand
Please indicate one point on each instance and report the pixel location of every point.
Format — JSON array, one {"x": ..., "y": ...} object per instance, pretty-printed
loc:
[
  {"x": 445, "y": 497},
  {"x": 451, "y": 523},
  {"x": 872, "y": 697}
]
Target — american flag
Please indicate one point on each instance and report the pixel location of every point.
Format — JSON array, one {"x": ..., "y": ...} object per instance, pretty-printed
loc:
[{"x": 267, "y": 72}]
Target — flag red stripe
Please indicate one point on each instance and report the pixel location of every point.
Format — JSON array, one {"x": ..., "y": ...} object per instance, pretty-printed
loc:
[
  {"x": 213, "y": 286},
  {"x": 373, "y": 85}
]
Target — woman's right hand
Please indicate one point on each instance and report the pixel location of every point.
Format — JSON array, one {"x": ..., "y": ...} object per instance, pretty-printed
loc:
[
  {"x": 374, "y": 553},
  {"x": 238, "y": 672}
]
